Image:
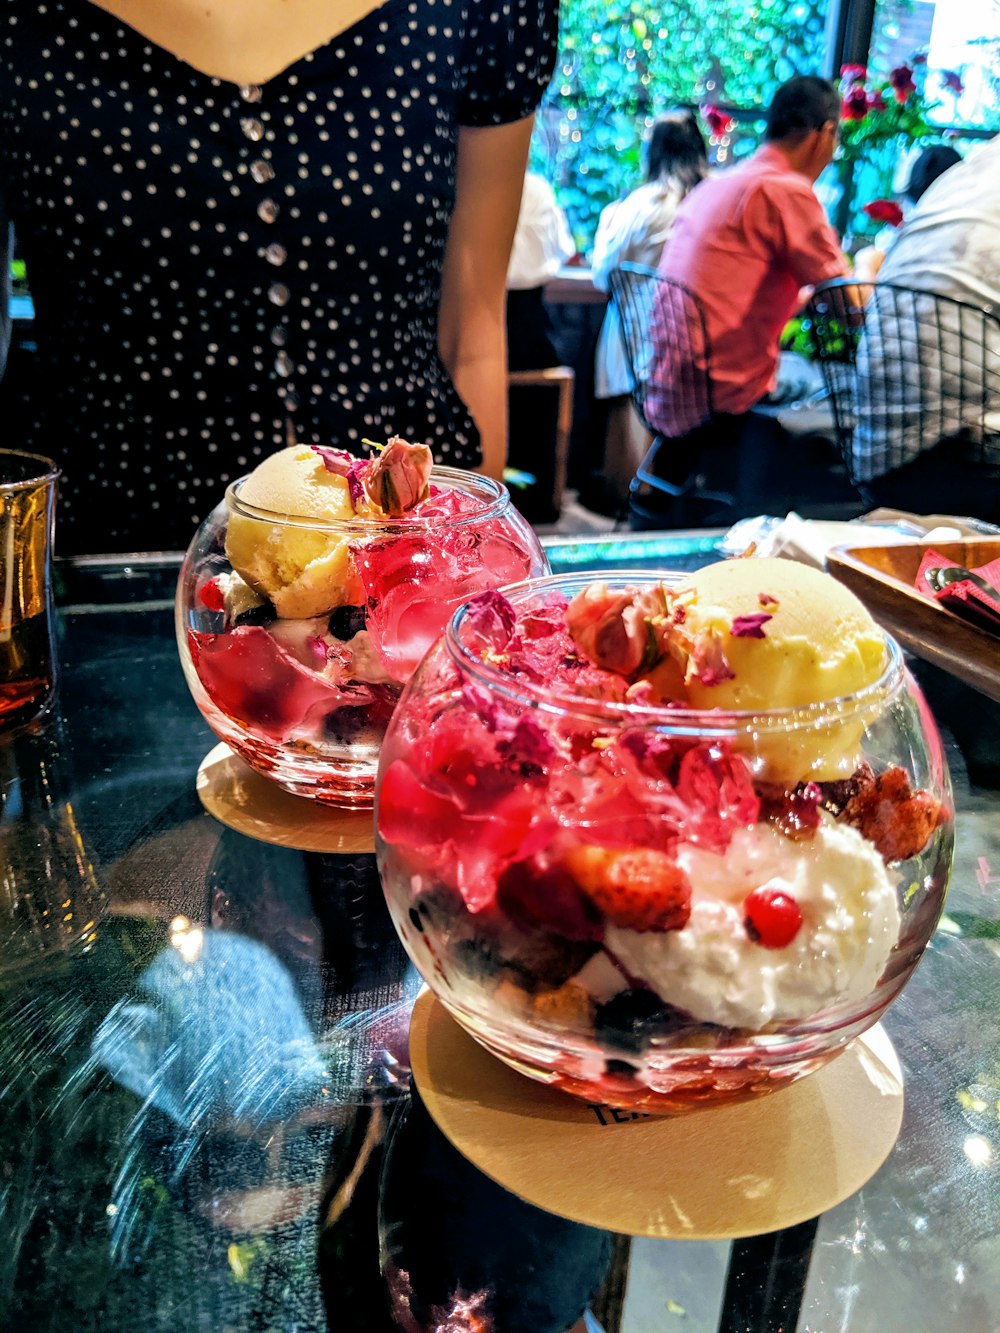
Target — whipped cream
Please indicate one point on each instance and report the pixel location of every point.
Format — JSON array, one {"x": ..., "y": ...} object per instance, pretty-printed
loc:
[{"x": 712, "y": 967}]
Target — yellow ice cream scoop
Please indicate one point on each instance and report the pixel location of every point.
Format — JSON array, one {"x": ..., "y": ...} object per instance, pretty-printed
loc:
[
  {"x": 785, "y": 636},
  {"x": 305, "y": 571},
  {"x": 790, "y": 634}
]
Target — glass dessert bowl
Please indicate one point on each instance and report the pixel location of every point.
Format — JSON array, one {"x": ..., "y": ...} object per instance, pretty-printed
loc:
[
  {"x": 309, "y": 595},
  {"x": 643, "y": 899}
]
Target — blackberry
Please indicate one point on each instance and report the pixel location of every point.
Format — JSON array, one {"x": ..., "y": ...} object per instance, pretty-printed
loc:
[
  {"x": 632, "y": 1018},
  {"x": 347, "y": 621}
]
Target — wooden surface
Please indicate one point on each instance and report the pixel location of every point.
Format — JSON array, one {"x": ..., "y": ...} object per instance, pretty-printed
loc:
[{"x": 882, "y": 576}]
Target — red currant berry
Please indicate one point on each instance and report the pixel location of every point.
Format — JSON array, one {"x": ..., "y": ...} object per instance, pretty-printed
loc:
[
  {"x": 211, "y": 596},
  {"x": 771, "y": 918}
]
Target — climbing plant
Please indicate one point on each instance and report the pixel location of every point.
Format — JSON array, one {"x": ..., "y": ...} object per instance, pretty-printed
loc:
[{"x": 622, "y": 62}]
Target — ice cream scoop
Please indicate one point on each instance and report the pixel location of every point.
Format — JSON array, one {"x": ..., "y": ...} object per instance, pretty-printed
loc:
[
  {"x": 791, "y": 635},
  {"x": 304, "y": 570}
]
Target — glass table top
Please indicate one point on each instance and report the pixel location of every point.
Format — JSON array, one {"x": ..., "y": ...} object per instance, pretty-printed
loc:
[{"x": 204, "y": 1099}]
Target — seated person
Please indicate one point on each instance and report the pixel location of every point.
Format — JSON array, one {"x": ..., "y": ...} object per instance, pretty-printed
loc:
[
  {"x": 633, "y": 230},
  {"x": 930, "y": 377},
  {"x": 931, "y": 163},
  {"x": 927, "y": 167},
  {"x": 746, "y": 242}
]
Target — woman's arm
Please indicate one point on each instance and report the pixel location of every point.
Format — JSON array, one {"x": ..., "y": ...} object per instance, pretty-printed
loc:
[{"x": 471, "y": 327}]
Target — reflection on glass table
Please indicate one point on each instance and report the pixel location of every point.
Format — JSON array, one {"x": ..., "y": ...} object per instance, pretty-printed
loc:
[{"x": 203, "y": 1062}]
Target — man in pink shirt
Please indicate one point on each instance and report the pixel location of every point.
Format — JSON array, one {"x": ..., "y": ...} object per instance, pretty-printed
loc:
[{"x": 746, "y": 242}]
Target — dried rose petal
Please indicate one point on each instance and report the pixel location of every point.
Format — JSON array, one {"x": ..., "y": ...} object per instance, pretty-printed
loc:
[
  {"x": 491, "y": 618},
  {"x": 337, "y": 461},
  {"x": 751, "y": 626},
  {"x": 765, "y": 599},
  {"x": 708, "y": 662}
]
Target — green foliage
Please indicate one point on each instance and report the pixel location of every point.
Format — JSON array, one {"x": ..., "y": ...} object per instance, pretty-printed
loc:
[{"x": 622, "y": 62}]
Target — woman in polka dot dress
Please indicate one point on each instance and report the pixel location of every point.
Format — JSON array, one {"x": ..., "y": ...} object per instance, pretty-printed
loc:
[{"x": 247, "y": 222}]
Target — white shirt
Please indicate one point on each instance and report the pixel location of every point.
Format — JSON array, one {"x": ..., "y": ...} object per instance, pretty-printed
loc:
[
  {"x": 909, "y": 388},
  {"x": 542, "y": 241},
  {"x": 633, "y": 230}
]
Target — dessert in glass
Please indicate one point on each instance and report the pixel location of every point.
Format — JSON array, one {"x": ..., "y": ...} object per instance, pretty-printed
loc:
[
  {"x": 665, "y": 841},
  {"x": 309, "y": 595}
]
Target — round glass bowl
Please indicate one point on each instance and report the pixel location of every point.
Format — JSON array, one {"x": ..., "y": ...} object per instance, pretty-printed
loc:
[
  {"x": 648, "y": 906},
  {"x": 301, "y": 682}
]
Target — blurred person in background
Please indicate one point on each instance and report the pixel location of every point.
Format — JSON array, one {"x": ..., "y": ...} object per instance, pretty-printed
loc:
[
  {"x": 927, "y": 166},
  {"x": 950, "y": 247},
  {"x": 248, "y": 225},
  {"x": 752, "y": 241},
  {"x": 634, "y": 230}
]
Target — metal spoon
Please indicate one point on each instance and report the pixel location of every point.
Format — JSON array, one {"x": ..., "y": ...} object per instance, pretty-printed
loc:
[{"x": 939, "y": 578}]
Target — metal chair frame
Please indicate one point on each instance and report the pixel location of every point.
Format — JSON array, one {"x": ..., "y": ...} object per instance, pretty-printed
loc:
[
  {"x": 929, "y": 374},
  {"x": 664, "y": 326}
]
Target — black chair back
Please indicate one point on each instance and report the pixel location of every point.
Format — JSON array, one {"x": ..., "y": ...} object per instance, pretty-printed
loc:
[
  {"x": 915, "y": 382},
  {"x": 667, "y": 347}
]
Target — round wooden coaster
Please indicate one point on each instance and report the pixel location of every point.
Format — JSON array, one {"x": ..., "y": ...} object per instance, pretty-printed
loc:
[
  {"x": 241, "y": 799},
  {"x": 738, "y": 1170}
]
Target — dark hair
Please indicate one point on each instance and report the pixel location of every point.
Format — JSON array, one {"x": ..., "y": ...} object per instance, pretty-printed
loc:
[
  {"x": 676, "y": 150},
  {"x": 801, "y": 105},
  {"x": 931, "y": 164}
]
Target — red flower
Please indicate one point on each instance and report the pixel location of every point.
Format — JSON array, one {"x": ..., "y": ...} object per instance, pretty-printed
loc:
[
  {"x": 850, "y": 74},
  {"x": 717, "y": 121},
  {"x": 901, "y": 79},
  {"x": 952, "y": 81},
  {"x": 884, "y": 210},
  {"x": 876, "y": 102},
  {"x": 855, "y": 104}
]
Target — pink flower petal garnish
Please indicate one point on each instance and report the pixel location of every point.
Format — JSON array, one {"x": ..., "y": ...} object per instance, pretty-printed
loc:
[
  {"x": 751, "y": 626},
  {"x": 337, "y": 461},
  {"x": 491, "y": 618}
]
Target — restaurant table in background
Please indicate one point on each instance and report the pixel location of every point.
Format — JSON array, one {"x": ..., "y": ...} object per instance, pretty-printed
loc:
[{"x": 204, "y": 1114}]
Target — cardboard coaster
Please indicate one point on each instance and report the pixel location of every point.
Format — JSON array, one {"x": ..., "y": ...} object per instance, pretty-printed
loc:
[
  {"x": 739, "y": 1170},
  {"x": 241, "y": 799}
]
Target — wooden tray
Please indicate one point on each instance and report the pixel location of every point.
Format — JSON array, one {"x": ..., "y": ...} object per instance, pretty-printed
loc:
[{"x": 882, "y": 576}]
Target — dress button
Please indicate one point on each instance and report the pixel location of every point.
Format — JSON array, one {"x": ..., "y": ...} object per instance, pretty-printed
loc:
[
  {"x": 275, "y": 254},
  {"x": 261, "y": 171},
  {"x": 278, "y": 294},
  {"x": 250, "y": 92},
  {"x": 267, "y": 210},
  {"x": 283, "y": 364},
  {"x": 252, "y": 128},
  {"x": 279, "y": 336}
]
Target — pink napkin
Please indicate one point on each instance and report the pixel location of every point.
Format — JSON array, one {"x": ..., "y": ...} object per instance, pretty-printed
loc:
[{"x": 963, "y": 597}]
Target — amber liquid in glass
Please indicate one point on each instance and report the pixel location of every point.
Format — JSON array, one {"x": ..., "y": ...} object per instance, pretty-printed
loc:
[{"x": 25, "y": 668}]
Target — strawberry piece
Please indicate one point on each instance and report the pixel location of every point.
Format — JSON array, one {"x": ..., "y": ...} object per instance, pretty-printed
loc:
[
  {"x": 639, "y": 889},
  {"x": 772, "y": 918},
  {"x": 211, "y": 596},
  {"x": 898, "y": 820}
]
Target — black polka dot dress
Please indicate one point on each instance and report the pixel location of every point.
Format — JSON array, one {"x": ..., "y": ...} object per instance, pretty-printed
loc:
[{"x": 211, "y": 262}]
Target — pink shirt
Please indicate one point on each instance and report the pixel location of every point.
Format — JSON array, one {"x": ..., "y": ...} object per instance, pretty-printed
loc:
[{"x": 745, "y": 242}]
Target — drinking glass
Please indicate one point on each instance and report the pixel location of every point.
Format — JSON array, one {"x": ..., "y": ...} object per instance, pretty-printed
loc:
[
  {"x": 649, "y": 905},
  {"x": 305, "y": 699},
  {"x": 27, "y": 515}
]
